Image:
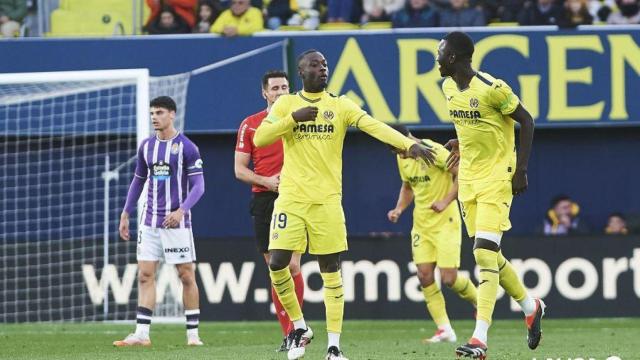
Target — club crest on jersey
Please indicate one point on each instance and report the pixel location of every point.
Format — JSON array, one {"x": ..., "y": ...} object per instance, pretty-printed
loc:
[
  {"x": 328, "y": 115},
  {"x": 160, "y": 170},
  {"x": 174, "y": 149},
  {"x": 473, "y": 102}
]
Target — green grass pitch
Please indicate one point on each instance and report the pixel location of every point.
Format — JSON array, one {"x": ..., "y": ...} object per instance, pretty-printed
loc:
[{"x": 595, "y": 339}]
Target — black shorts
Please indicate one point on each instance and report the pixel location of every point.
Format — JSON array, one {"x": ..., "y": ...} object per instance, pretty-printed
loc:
[{"x": 261, "y": 209}]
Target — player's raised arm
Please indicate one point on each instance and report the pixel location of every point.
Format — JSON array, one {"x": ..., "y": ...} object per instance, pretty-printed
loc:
[{"x": 135, "y": 189}]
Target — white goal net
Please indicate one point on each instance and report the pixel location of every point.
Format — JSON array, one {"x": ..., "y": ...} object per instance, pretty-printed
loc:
[{"x": 67, "y": 144}]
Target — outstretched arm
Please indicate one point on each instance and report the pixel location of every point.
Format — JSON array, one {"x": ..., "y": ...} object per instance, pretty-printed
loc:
[{"x": 522, "y": 116}]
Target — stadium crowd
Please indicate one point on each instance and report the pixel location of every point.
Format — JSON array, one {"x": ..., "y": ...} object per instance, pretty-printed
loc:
[{"x": 244, "y": 17}]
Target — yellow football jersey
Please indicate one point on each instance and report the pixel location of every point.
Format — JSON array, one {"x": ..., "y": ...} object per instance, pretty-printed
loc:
[
  {"x": 485, "y": 131},
  {"x": 312, "y": 170},
  {"x": 429, "y": 184}
]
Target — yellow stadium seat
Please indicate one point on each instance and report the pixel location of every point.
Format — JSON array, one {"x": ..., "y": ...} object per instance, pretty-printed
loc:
[
  {"x": 503, "y": 24},
  {"x": 376, "y": 25},
  {"x": 339, "y": 26}
]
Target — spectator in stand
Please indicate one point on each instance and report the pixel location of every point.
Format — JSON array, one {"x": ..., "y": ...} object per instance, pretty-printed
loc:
[
  {"x": 168, "y": 23},
  {"x": 460, "y": 14},
  {"x": 11, "y": 14},
  {"x": 628, "y": 13},
  {"x": 562, "y": 218},
  {"x": 417, "y": 13},
  {"x": 508, "y": 10},
  {"x": 185, "y": 9},
  {"x": 308, "y": 15},
  {"x": 616, "y": 225},
  {"x": 380, "y": 10},
  {"x": 240, "y": 19},
  {"x": 576, "y": 13},
  {"x": 208, "y": 12},
  {"x": 279, "y": 12},
  {"x": 542, "y": 12}
]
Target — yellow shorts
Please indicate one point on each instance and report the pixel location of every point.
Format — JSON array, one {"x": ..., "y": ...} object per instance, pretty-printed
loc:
[
  {"x": 485, "y": 206},
  {"x": 294, "y": 223},
  {"x": 441, "y": 246}
]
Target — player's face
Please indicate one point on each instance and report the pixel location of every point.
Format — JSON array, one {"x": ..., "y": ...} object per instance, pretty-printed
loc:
[
  {"x": 444, "y": 63},
  {"x": 314, "y": 72},
  {"x": 275, "y": 88},
  {"x": 161, "y": 118}
]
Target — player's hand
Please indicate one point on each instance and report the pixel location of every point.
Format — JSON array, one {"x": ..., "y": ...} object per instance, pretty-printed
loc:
[
  {"x": 420, "y": 151},
  {"x": 454, "y": 156},
  {"x": 439, "y": 206},
  {"x": 308, "y": 113},
  {"x": 173, "y": 219},
  {"x": 394, "y": 215},
  {"x": 519, "y": 183},
  {"x": 123, "y": 229},
  {"x": 272, "y": 183}
]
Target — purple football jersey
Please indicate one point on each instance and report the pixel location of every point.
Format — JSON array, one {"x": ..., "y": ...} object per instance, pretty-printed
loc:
[{"x": 166, "y": 165}]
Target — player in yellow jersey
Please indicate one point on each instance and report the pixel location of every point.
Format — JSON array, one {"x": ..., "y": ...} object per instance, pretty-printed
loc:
[
  {"x": 312, "y": 124},
  {"x": 436, "y": 232},
  {"x": 483, "y": 110}
]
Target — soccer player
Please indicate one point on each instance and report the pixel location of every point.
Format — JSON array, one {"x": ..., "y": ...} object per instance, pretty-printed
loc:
[
  {"x": 483, "y": 110},
  {"x": 312, "y": 124},
  {"x": 436, "y": 232},
  {"x": 170, "y": 164},
  {"x": 264, "y": 180}
]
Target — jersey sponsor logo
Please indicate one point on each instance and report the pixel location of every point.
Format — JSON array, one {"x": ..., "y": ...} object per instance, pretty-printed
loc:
[
  {"x": 419, "y": 179},
  {"x": 198, "y": 164},
  {"x": 328, "y": 115},
  {"x": 160, "y": 170},
  {"x": 175, "y": 148},
  {"x": 176, "y": 250},
  {"x": 314, "y": 128},
  {"x": 465, "y": 117},
  {"x": 473, "y": 102}
]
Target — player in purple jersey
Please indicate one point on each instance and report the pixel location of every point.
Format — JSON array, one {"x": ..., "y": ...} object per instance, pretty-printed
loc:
[{"x": 170, "y": 164}]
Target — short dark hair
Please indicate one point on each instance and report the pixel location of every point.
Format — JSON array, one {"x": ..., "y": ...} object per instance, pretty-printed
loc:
[
  {"x": 400, "y": 128},
  {"x": 164, "y": 102},
  {"x": 460, "y": 44},
  {"x": 273, "y": 74},
  {"x": 558, "y": 198},
  {"x": 301, "y": 56}
]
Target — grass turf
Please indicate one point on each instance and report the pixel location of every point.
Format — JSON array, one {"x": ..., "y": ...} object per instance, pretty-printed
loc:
[{"x": 563, "y": 339}]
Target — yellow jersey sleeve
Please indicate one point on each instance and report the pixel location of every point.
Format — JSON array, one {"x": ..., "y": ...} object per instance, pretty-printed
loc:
[
  {"x": 403, "y": 175},
  {"x": 441, "y": 154},
  {"x": 502, "y": 98},
  {"x": 278, "y": 122},
  {"x": 354, "y": 116}
]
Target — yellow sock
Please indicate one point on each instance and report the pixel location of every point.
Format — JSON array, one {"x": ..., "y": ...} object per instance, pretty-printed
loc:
[
  {"x": 509, "y": 279},
  {"x": 333, "y": 301},
  {"x": 487, "y": 260},
  {"x": 285, "y": 288},
  {"x": 435, "y": 304},
  {"x": 465, "y": 289}
]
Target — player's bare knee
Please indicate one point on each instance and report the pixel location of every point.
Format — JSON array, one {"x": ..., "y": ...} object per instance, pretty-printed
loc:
[
  {"x": 145, "y": 277},
  {"x": 426, "y": 278},
  {"x": 448, "y": 276},
  {"x": 279, "y": 260},
  {"x": 187, "y": 278},
  {"x": 329, "y": 263}
]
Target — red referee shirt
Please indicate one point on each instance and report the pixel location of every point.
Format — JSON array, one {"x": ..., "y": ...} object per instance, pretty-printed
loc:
[{"x": 267, "y": 161}]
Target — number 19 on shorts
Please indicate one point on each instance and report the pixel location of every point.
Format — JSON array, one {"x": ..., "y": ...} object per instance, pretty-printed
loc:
[{"x": 279, "y": 220}]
